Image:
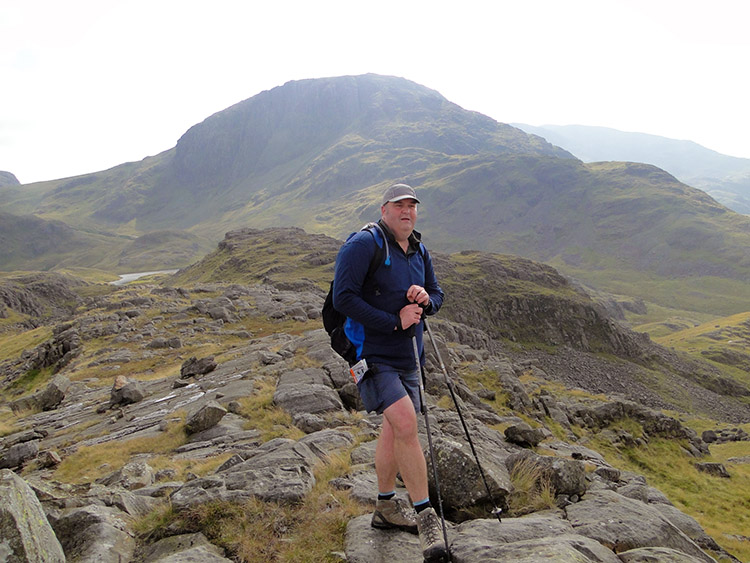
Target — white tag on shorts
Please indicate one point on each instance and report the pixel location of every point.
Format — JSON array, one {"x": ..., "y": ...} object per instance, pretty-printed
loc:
[{"x": 358, "y": 370}]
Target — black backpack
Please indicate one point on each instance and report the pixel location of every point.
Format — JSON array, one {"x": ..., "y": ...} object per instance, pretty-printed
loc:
[{"x": 333, "y": 320}]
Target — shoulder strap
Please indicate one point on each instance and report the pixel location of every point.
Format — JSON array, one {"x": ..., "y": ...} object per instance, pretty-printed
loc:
[{"x": 381, "y": 247}]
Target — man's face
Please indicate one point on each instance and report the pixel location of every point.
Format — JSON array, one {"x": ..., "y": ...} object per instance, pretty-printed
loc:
[{"x": 401, "y": 217}]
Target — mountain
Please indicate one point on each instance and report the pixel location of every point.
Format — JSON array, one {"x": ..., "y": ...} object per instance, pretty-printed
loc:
[
  {"x": 306, "y": 142},
  {"x": 317, "y": 154},
  {"x": 725, "y": 178}
]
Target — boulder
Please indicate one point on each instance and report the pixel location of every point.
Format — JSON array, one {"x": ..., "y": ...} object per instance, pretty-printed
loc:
[
  {"x": 461, "y": 482},
  {"x": 136, "y": 505},
  {"x": 299, "y": 393},
  {"x": 18, "y": 454},
  {"x": 131, "y": 476},
  {"x": 126, "y": 391},
  {"x": 278, "y": 471},
  {"x": 51, "y": 397},
  {"x": 25, "y": 533},
  {"x": 207, "y": 416},
  {"x": 194, "y": 367},
  {"x": 48, "y": 459},
  {"x": 308, "y": 422},
  {"x": 524, "y": 435},
  {"x": 713, "y": 468},
  {"x": 95, "y": 534}
]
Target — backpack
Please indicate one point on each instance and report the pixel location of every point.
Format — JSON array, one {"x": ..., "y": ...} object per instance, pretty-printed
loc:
[{"x": 333, "y": 320}]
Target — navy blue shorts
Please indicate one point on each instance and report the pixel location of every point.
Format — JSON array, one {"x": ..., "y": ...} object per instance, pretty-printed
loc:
[{"x": 383, "y": 385}]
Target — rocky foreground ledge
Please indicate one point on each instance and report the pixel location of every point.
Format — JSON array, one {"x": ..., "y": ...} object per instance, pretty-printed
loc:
[{"x": 601, "y": 515}]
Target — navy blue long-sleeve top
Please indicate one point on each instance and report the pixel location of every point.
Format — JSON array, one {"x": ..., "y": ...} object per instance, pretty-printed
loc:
[{"x": 372, "y": 306}]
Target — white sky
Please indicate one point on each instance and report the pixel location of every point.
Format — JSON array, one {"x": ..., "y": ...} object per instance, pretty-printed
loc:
[{"x": 89, "y": 84}]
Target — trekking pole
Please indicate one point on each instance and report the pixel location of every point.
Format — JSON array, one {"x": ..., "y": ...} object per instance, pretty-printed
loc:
[
  {"x": 420, "y": 370},
  {"x": 495, "y": 509}
]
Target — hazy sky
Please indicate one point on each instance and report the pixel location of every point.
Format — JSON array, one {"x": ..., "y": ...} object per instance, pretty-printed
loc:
[{"x": 89, "y": 84}]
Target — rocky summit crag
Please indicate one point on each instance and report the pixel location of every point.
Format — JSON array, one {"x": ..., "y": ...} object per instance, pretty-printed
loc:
[{"x": 159, "y": 377}]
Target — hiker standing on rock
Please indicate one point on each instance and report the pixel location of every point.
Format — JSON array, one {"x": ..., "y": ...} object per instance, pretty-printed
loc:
[{"x": 384, "y": 308}]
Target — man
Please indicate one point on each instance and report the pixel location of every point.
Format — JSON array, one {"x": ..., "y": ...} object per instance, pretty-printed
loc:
[{"x": 384, "y": 313}]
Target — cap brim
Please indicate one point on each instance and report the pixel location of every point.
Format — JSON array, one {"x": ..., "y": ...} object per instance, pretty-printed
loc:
[{"x": 399, "y": 198}]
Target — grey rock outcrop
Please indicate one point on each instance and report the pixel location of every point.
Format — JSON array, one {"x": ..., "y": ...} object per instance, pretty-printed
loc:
[
  {"x": 713, "y": 468},
  {"x": 307, "y": 391},
  {"x": 25, "y": 533},
  {"x": 460, "y": 478},
  {"x": 622, "y": 524},
  {"x": 278, "y": 471}
]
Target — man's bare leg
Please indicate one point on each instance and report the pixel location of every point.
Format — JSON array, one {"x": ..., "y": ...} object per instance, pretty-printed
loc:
[{"x": 398, "y": 449}]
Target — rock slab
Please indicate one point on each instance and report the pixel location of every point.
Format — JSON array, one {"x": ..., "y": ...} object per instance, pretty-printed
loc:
[{"x": 25, "y": 533}]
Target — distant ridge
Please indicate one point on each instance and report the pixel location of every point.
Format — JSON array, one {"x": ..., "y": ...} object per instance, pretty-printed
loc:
[{"x": 726, "y": 178}]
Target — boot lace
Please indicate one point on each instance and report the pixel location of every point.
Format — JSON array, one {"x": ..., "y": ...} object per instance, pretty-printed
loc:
[{"x": 431, "y": 529}]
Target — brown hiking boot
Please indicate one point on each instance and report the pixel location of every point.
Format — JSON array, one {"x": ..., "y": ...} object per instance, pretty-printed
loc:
[
  {"x": 394, "y": 513},
  {"x": 431, "y": 537}
]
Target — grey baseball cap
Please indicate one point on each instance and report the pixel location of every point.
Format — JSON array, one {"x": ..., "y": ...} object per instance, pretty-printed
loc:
[{"x": 397, "y": 192}]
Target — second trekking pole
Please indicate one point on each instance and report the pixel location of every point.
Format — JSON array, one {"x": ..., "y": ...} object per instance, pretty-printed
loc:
[{"x": 495, "y": 509}]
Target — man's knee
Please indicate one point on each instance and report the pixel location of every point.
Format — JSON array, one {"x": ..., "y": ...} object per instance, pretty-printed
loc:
[{"x": 402, "y": 418}]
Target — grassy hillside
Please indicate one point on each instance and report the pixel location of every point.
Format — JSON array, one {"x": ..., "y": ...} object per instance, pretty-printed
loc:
[
  {"x": 724, "y": 342},
  {"x": 30, "y": 243}
]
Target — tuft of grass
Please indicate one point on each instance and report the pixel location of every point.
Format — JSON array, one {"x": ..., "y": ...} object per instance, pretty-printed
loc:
[
  {"x": 262, "y": 415},
  {"x": 153, "y": 524},
  {"x": 532, "y": 490}
]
